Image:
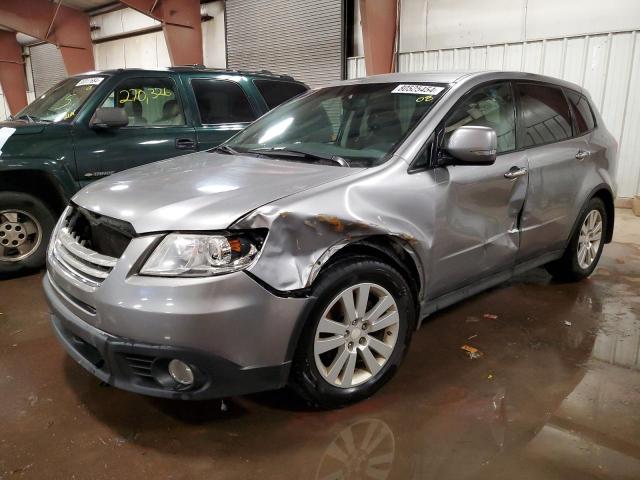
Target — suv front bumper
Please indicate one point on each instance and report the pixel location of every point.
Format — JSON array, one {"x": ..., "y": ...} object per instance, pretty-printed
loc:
[{"x": 237, "y": 336}]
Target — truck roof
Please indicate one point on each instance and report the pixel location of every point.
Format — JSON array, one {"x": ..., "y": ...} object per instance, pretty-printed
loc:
[{"x": 196, "y": 69}]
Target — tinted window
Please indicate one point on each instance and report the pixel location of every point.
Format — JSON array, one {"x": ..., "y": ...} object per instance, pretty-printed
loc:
[
  {"x": 220, "y": 101},
  {"x": 489, "y": 106},
  {"x": 545, "y": 114},
  {"x": 147, "y": 101},
  {"x": 581, "y": 112},
  {"x": 276, "y": 92}
]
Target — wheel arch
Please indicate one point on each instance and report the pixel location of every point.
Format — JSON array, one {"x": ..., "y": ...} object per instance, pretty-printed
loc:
[
  {"x": 38, "y": 183},
  {"x": 604, "y": 193}
]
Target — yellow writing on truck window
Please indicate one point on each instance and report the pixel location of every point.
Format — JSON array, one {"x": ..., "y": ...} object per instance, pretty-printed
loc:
[
  {"x": 143, "y": 95},
  {"x": 426, "y": 98}
]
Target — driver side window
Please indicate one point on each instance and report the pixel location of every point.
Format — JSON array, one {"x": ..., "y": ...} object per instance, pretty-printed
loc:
[
  {"x": 147, "y": 101},
  {"x": 489, "y": 106}
]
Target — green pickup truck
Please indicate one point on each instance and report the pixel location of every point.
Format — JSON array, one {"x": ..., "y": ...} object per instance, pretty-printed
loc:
[{"x": 92, "y": 125}]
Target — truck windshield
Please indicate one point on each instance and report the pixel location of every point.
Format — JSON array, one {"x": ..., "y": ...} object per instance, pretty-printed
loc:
[
  {"x": 61, "y": 102},
  {"x": 357, "y": 125}
]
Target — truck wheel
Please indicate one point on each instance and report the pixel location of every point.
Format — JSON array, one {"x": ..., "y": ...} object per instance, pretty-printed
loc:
[
  {"x": 356, "y": 334},
  {"x": 585, "y": 247},
  {"x": 25, "y": 227}
]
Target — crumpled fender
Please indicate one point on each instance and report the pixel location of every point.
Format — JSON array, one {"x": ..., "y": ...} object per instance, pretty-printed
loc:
[{"x": 307, "y": 229}]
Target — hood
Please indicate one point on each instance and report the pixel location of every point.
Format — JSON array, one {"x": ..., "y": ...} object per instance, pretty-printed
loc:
[
  {"x": 201, "y": 191},
  {"x": 22, "y": 128}
]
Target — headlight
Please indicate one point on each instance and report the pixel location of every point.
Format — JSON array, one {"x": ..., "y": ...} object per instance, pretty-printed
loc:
[{"x": 192, "y": 255}]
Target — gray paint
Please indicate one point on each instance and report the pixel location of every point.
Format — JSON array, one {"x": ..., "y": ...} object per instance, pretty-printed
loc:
[{"x": 459, "y": 224}]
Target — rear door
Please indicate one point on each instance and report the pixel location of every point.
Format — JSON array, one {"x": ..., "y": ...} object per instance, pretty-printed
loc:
[
  {"x": 476, "y": 233},
  {"x": 222, "y": 108},
  {"x": 547, "y": 137},
  {"x": 157, "y": 129}
]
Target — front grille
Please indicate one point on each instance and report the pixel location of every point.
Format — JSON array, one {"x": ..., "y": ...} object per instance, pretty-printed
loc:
[{"x": 88, "y": 245}]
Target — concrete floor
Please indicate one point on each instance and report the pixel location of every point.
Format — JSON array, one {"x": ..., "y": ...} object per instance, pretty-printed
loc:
[{"x": 555, "y": 395}]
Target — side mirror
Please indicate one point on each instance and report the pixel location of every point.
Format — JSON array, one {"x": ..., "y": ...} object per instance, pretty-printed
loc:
[
  {"x": 109, "y": 118},
  {"x": 473, "y": 145}
]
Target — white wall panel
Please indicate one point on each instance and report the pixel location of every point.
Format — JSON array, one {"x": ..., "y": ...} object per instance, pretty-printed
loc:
[
  {"x": 413, "y": 23},
  {"x": 564, "y": 18},
  {"x": 461, "y": 23}
]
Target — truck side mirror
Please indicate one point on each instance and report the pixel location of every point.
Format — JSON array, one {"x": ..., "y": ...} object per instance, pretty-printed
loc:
[{"x": 109, "y": 117}]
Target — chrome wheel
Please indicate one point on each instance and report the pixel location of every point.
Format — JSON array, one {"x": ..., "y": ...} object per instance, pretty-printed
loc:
[
  {"x": 356, "y": 335},
  {"x": 20, "y": 235},
  {"x": 590, "y": 238}
]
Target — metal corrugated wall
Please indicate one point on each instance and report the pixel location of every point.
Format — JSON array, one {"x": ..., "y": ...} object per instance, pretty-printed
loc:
[
  {"x": 301, "y": 38},
  {"x": 47, "y": 67},
  {"x": 608, "y": 65}
]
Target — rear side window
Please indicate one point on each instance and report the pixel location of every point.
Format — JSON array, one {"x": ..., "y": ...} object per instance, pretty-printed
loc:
[
  {"x": 545, "y": 114},
  {"x": 221, "y": 101},
  {"x": 276, "y": 92},
  {"x": 582, "y": 113}
]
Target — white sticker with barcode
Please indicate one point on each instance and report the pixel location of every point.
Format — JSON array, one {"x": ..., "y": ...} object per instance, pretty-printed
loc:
[
  {"x": 90, "y": 81},
  {"x": 418, "y": 89}
]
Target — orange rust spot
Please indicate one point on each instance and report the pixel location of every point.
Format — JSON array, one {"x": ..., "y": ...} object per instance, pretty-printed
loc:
[{"x": 335, "y": 222}]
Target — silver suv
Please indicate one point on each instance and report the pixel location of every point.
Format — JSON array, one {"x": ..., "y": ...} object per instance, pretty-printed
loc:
[{"x": 307, "y": 249}]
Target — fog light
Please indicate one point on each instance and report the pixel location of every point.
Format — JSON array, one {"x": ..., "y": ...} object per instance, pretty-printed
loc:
[{"x": 181, "y": 372}]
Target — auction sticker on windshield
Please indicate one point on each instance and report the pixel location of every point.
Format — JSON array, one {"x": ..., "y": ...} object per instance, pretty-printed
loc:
[
  {"x": 90, "y": 81},
  {"x": 418, "y": 89}
]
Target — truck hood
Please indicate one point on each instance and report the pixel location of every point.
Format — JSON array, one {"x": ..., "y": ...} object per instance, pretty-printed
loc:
[
  {"x": 201, "y": 191},
  {"x": 22, "y": 128}
]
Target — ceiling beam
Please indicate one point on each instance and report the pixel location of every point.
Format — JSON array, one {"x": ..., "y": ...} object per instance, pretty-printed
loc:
[
  {"x": 55, "y": 23},
  {"x": 181, "y": 24}
]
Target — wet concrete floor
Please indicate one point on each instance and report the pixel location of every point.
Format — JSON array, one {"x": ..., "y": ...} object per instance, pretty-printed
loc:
[{"x": 555, "y": 395}]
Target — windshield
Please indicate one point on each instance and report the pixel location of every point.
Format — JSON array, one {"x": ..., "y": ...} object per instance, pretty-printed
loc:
[
  {"x": 360, "y": 125},
  {"x": 60, "y": 103}
]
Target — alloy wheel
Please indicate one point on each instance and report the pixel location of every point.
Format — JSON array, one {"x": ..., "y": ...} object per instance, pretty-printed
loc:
[
  {"x": 590, "y": 238},
  {"x": 356, "y": 335},
  {"x": 20, "y": 235}
]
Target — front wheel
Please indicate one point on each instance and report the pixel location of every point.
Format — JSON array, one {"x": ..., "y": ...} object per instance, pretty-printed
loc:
[
  {"x": 357, "y": 333},
  {"x": 585, "y": 247},
  {"x": 25, "y": 227}
]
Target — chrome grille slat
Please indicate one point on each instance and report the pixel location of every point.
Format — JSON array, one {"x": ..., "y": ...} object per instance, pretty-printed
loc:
[
  {"x": 70, "y": 260},
  {"x": 86, "y": 265},
  {"x": 71, "y": 244}
]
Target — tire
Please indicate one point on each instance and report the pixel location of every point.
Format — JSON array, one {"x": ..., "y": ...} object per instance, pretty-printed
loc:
[
  {"x": 35, "y": 220},
  {"x": 571, "y": 267},
  {"x": 311, "y": 371}
]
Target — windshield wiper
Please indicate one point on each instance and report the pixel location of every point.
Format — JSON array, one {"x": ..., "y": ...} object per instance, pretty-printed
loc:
[
  {"x": 26, "y": 117},
  {"x": 290, "y": 152},
  {"x": 225, "y": 149}
]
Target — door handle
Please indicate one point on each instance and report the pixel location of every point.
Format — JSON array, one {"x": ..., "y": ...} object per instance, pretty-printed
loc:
[
  {"x": 582, "y": 154},
  {"x": 185, "y": 144},
  {"x": 516, "y": 172}
]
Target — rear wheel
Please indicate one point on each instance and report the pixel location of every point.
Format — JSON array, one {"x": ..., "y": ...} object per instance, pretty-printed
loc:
[
  {"x": 585, "y": 247},
  {"x": 357, "y": 334},
  {"x": 25, "y": 227}
]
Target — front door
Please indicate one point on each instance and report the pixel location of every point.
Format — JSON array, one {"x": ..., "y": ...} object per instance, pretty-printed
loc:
[
  {"x": 476, "y": 233},
  {"x": 157, "y": 129}
]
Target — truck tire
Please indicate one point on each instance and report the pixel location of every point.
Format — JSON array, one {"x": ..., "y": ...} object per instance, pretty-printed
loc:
[{"x": 25, "y": 228}]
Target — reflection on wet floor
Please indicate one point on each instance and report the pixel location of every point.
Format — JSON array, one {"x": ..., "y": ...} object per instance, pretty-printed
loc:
[{"x": 555, "y": 395}]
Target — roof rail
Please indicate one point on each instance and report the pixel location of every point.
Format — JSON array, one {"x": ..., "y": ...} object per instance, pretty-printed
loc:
[{"x": 229, "y": 70}]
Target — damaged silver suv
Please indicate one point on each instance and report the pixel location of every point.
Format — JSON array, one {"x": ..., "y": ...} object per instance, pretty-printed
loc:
[{"x": 307, "y": 249}]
